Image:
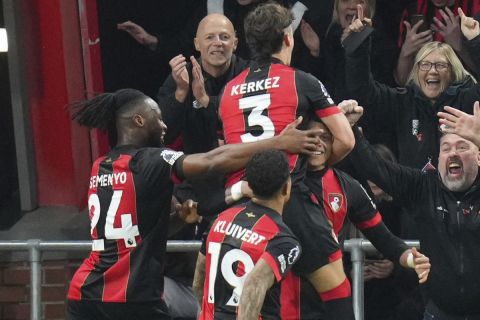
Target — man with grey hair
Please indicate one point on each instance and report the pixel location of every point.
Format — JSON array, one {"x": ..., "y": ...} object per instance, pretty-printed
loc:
[{"x": 446, "y": 207}]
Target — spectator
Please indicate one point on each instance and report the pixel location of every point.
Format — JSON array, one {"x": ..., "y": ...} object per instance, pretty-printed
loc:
[
  {"x": 261, "y": 243},
  {"x": 129, "y": 202},
  {"x": 188, "y": 97},
  {"x": 445, "y": 206},
  {"x": 332, "y": 56},
  {"x": 440, "y": 24},
  {"x": 437, "y": 79}
]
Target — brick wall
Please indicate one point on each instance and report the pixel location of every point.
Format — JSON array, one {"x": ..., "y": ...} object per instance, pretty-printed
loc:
[{"x": 15, "y": 289}]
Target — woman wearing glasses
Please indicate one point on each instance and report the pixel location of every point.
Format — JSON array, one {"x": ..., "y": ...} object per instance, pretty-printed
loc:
[{"x": 437, "y": 78}]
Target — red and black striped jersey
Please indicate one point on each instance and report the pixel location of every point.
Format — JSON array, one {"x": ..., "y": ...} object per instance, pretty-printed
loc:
[
  {"x": 239, "y": 237},
  {"x": 262, "y": 100},
  {"x": 341, "y": 197},
  {"x": 129, "y": 203}
]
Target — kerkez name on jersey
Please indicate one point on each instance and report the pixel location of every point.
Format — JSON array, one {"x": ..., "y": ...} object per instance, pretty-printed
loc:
[
  {"x": 105, "y": 180},
  {"x": 254, "y": 86},
  {"x": 239, "y": 232}
]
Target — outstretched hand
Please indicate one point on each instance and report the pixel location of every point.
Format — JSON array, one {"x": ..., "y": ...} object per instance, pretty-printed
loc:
[
  {"x": 470, "y": 27},
  {"x": 358, "y": 23},
  {"x": 422, "y": 265},
  {"x": 139, "y": 34},
  {"x": 352, "y": 111},
  {"x": 461, "y": 123},
  {"x": 187, "y": 211},
  {"x": 299, "y": 141},
  {"x": 449, "y": 29}
]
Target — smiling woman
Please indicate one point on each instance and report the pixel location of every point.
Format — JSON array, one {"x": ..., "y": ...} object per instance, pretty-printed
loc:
[
  {"x": 436, "y": 68},
  {"x": 437, "y": 78}
]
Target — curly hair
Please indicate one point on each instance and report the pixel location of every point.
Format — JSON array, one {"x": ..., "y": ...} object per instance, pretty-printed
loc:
[{"x": 267, "y": 172}]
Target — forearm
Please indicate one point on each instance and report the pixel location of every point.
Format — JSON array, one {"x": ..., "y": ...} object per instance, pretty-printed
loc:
[
  {"x": 473, "y": 51},
  {"x": 358, "y": 78},
  {"x": 343, "y": 138},
  {"x": 402, "y": 71},
  {"x": 252, "y": 298},
  {"x": 386, "y": 242},
  {"x": 199, "y": 278},
  {"x": 227, "y": 158}
]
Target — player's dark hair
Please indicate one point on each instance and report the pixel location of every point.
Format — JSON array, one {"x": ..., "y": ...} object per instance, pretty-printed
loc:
[
  {"x": 102, "y": 111},
  {"x": 264, "y": 29},
  {"x": 267, "y": 172}
]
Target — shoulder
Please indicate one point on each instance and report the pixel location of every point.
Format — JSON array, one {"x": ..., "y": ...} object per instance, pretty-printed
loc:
[{"x": 162, "y": 156}]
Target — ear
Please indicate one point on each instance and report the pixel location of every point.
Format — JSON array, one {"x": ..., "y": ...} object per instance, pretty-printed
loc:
[
  {"x": 139, "y": 120},
  {"x": 286, "y": 40},
  {"x": 287, "y": 187},
  {"x": 235, "y": 43},
  {"x": 478, "y": 158},
  {"x": 195, "y": 42}
]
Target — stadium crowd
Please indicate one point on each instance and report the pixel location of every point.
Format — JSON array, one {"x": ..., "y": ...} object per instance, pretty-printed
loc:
[{"x": 273, "y": 131}]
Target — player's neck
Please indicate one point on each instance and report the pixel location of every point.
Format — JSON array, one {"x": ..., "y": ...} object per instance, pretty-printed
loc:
[
  {"x": 283, "y": 56},
  {"x": 274, "y": 204}
]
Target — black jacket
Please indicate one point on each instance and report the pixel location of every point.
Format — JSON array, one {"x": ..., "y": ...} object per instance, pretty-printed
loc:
[
  {"x": 449, "y": 226},
  {"x": 406, "y": 111},
  {"x": 197, "y": 127}
]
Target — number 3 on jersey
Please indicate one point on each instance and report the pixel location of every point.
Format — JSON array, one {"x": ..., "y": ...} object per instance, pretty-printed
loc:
[
  {"x": 229, "y": 259},
  {"x": 127, "y": 231},
  {"x": 256, "y": 105}
]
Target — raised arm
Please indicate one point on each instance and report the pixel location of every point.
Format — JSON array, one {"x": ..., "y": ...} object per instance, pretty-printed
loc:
[
  {"x": 343, "y": 140},
  {"x": 232, "y": 157},
  {"x": 258, "y": 281},
  {"x": 402, "y": 183}
]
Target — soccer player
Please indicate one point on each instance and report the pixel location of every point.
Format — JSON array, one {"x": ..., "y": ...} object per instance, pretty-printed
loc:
[
  {"x": 247, "y": 235},
  {"x": 256, "y": 105},
  {"x": 129, "y": 201},
  {"x": 341, "y": 198}
]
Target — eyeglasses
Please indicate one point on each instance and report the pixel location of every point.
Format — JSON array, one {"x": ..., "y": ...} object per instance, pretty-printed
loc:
[{"x": 427, "y": 65}]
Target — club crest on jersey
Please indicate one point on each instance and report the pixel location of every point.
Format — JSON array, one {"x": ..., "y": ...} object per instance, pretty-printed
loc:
[
  {"x": 293, "y": 255},
  {"x": 171, "y": 156},
  {"x": 335, "y": 200}
]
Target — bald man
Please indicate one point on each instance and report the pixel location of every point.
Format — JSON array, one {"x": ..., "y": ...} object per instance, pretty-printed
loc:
[
  {"x": 188, "y": 96},
  {"x": 189, "y": 108}
]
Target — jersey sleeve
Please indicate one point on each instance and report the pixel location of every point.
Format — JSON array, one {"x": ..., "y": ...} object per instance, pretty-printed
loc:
[
  {"x": 281, "y": 254},
  {"x": 320, "y": 100},
  {"x": 175, "y": 160},
  {"x": 361, "y": 209}
]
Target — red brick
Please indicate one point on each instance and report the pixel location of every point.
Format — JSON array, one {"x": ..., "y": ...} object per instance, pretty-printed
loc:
[
  {"x": 55, "y": 276},
  {"x": 54, "y": 311},
  {"x": 13, "y": 294},
  {"x": 20, "y": 311},
  {"x": 17, "y": 275},
  {"x": 54, "y": 293}
]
